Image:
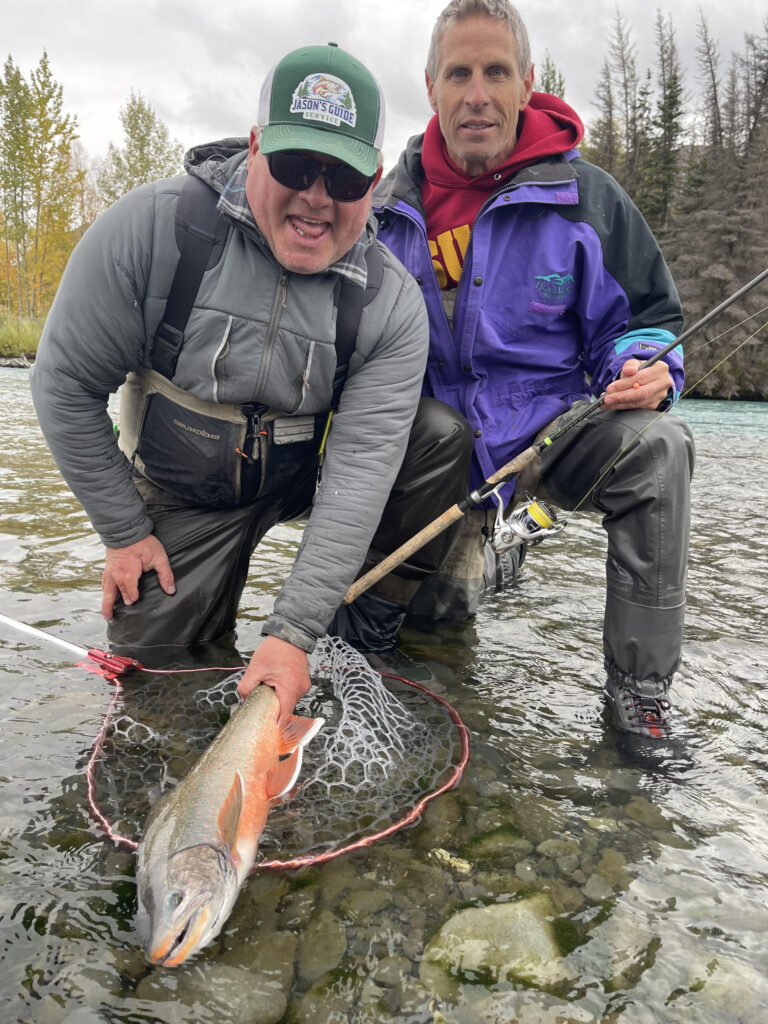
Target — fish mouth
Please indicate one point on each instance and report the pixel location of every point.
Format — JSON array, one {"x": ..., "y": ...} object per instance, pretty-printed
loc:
[{"x": 174, "y": 947}]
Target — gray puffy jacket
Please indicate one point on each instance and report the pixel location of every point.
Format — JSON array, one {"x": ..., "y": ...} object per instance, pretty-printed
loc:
[{"x": 257, "y": 333}]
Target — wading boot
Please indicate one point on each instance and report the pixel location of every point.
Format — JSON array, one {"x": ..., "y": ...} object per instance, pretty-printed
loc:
[{"x": 639, "y": 706}]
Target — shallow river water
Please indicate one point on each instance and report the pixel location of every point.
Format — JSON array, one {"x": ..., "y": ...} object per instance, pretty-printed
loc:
[{"x": 643, "y": 877}]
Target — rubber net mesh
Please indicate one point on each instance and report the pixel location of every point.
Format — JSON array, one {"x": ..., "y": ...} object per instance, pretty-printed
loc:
[{"x": 384, "y": 746}]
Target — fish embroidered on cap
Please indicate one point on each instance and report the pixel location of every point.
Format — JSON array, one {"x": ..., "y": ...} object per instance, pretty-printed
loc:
[{"x": 322, "y": 97}]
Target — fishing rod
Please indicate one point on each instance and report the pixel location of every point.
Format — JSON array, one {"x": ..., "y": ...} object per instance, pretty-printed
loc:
[
  {"x": 94, "y": 660},
  {"x": 525, "y": 458},
  {"x": 81, "y": 652}
]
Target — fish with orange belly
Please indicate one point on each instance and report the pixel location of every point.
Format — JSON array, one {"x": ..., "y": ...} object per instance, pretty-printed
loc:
[{"x": 201, "y": 838}]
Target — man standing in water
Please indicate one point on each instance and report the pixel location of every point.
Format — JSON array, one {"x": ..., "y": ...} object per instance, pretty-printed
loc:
[
  {"x": 544, "y": 287},
  {"x": 223, "y": 410}
]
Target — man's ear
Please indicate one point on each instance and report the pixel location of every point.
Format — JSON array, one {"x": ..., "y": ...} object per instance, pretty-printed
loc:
[
  {"x": 430, "y": 91},
  {"x": 253, "y": 144},
  {"x": 379, "y": 172},
  {"x": 528, "y": 87}
]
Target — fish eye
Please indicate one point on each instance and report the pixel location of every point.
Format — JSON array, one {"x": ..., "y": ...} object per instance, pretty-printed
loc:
[{"x": 174, "y": 899}]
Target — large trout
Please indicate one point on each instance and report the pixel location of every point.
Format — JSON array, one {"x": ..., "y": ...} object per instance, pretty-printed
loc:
[{"x": 202, "y": 837}]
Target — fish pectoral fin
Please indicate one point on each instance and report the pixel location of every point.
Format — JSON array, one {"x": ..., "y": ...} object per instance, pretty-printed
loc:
[
  {"x": 295, "y": 731},
  {"x": 231, "y": 811},
  {"x": 282, "y": 777}
]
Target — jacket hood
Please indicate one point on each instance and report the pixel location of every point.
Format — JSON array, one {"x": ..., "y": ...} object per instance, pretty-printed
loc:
[
  {"x": 216, "y": 162},
  {"x": 403, "y": 182}
]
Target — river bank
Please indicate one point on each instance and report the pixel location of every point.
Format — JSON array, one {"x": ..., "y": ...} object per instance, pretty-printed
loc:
[
  {"x": 20, "y": 362},
  {"x": 19, "y": 339}
]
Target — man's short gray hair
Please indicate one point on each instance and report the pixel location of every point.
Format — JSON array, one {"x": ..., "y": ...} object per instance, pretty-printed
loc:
[{"x": 457, "y": 10}]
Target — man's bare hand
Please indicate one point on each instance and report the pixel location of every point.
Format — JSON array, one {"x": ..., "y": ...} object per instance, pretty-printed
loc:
[
  {"x": 281, "y": 666},
  {"x": 639, "y": 387},
  {"x": 124, "y": 567}
]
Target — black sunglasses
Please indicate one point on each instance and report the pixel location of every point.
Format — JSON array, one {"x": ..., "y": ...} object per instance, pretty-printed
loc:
[{"x": 296, "y": 170}]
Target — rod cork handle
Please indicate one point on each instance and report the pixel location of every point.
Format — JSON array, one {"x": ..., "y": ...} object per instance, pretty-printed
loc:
[
  {"x": 416, "y": 542},
  {"x": 436, "y": 527}
]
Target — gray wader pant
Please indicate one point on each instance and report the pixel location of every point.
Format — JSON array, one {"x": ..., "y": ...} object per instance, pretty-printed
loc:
[
  {"x": 643, "y": 495},
  {"x": 210, "y": 548}
]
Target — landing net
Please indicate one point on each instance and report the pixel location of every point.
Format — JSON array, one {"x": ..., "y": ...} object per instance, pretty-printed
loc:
[{"x": 386, "y": 750}]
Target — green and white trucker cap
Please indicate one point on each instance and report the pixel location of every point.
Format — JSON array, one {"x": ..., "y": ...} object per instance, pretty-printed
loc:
[{"x": 320, "y": 98}]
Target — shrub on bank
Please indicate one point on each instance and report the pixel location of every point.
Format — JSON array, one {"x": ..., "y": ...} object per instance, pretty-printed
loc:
[{"x": 19, "y": 337}]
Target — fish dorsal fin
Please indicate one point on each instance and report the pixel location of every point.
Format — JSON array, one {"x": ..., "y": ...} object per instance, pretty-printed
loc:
[
  {"x": 231, "y": 810},
  {"x": 295, "y": 731}
]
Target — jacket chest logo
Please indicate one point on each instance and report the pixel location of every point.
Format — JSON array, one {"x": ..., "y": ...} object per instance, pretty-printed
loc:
[{"x": 554, "y": 289}]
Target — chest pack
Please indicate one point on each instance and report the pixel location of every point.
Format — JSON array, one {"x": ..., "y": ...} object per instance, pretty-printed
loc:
[{"x": 215, "y": 454}]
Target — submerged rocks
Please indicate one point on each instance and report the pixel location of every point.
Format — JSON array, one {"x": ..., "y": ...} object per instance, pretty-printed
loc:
[
  {"x": 322, "y": 946},
  {"x": 233, "y": 993},
  {"x": 503, "y": 942}
]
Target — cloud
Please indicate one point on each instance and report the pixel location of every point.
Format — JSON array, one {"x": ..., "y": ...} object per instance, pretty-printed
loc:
[{"x": 201, "y": 64}]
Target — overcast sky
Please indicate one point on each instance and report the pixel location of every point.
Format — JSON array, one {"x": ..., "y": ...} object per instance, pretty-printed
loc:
[{"x": 201, "y": 63}]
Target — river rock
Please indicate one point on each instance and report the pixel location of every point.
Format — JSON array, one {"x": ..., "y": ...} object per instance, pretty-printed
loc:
[
  {"x": 597, "y": 889},
  {"x": 270, "y": 954},
  {"x": 539, "y": 818},
  {"x": 322, "y": 946},
  {"x": 566, "y": 897},
  {"x": 528, "y": 1007},
  {"x": 326, "y": 1003},
  {"x": 502, "y": 845},
  {"x": 391, "y": 971},
  {"x": 440, "y": 823},
  {"x": 297, "y": 908},
  {"x": 82, "y": 1015},
  {"x": 555, "y": 848},
  {"x": 366, "y": 902},
  {"x": 504, "y": 941},
  {"x": 458, "y": 866},
  {"x": 645, "y": 813},
  {"x": 217, "y": 991},
  {"x": 336, "y": 878},
  {"x": 731, "y": 988},
  {"x": 612, "y": 866}
]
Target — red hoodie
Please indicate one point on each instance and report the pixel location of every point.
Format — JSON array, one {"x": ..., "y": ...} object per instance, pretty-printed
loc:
[{"x": 452, "y": 199}]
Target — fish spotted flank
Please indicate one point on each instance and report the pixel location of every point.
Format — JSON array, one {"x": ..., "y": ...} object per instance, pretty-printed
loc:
[{"x": 201, "y": 838}]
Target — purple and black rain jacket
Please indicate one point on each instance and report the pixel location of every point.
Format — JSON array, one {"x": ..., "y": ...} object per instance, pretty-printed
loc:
[{"x": 562, "y": 282}]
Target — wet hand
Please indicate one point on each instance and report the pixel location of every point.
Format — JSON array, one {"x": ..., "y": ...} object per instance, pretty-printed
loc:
[
  {"x": 124, "y": 567},
  {"x": 639, "y": 387},
  {"x": 281, "y": 666}
]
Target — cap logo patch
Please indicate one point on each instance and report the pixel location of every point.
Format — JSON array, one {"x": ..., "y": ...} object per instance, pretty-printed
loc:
[{"x": 323, "y": 97}]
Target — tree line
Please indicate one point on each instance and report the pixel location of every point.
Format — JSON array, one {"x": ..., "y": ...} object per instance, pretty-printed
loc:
[
  {"x": 693, "y": 155},
  {"x": 50, "y": 191},
  {"x": 697, "y": 171}
]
